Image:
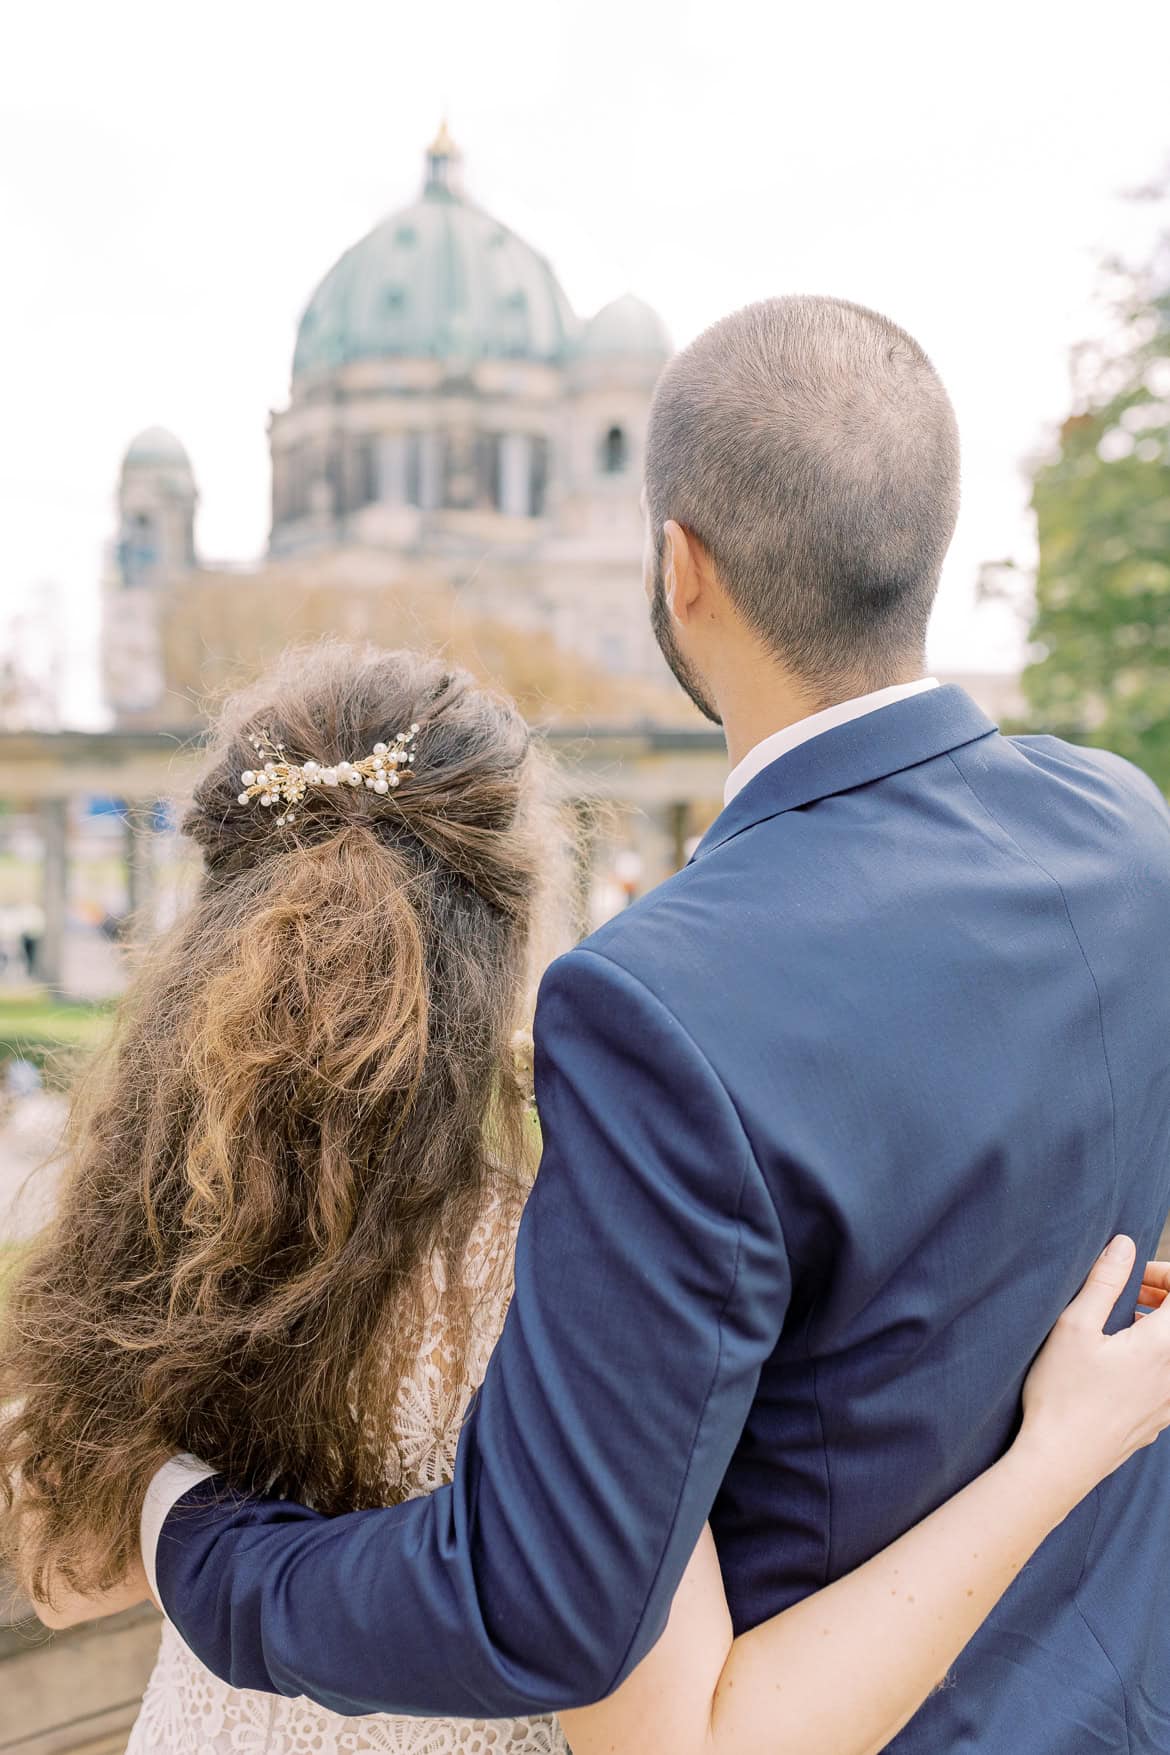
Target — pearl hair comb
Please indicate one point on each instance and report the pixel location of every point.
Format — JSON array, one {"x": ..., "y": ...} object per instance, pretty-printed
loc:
[{"x": 279, "y": 781}]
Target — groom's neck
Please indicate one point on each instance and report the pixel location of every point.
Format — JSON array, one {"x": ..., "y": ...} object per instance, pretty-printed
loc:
[{"x": 762, "y": 696}]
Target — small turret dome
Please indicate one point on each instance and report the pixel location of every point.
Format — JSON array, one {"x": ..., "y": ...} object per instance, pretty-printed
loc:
[
  {"x": 627, "y": 328},
  {"x": 441, "y": 278},
  {"x": 156, "y": 445},
  {"x": 156, "y": 448}
]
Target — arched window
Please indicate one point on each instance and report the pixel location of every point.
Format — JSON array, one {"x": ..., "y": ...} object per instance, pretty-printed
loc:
[
  {"x": 615, "y": 451},
  {"x": 138, "y": 549}
]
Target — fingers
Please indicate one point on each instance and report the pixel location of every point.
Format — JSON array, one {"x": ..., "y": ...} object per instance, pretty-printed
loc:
[
  {"x": 1154, "y": 1289},
  {"x": 1094, "y": 1303},
  {"x": 1155, "y": 1283}
]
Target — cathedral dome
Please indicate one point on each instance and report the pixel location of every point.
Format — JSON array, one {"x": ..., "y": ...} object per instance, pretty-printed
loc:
[
  {"x": 441, "y": 278},
  {"x": 627, "y": 328}
]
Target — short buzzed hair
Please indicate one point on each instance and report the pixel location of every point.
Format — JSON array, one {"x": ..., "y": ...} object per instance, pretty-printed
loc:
[{"x": 810, "y": 446}]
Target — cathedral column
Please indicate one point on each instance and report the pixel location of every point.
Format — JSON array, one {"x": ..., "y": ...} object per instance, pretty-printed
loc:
[
  {"x": 53, "y": 816},
  {"x": 392, "y": 469},
  {"x": 138, "y": 858},
  {"x": 678, "y": 828},
  {"x": 515, "y": 475}
]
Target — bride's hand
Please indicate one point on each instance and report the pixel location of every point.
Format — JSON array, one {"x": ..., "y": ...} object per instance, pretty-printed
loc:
[{"x": 1091, "y": 1399}]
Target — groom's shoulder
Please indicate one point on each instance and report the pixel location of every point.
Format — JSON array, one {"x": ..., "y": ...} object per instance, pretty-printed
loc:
[
  {"x": 664, "y": 933},
  {"x": 1101, "y": 769},
  {"x": 630, "y": 924},
  {"x": 634, "y": 971}
]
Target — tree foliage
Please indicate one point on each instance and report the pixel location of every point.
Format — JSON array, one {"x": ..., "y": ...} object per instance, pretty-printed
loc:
[
  {"x": 219, "y": 630},
  {"x": 1102, "y": 502}
]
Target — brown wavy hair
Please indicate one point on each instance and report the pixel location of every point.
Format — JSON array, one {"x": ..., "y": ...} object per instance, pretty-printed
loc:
[{"x": 309, "y": 1090}]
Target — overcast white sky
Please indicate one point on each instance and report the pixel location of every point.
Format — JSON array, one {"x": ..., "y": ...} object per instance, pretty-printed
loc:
[{"x": 178, "y": 177}]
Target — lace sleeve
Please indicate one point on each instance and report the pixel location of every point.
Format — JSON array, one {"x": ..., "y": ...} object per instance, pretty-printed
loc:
[{"x": 432, "y": 1401}]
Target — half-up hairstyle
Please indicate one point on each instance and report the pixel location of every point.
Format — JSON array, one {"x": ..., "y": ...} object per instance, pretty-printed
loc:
[{"x": 309, "y": 1091}]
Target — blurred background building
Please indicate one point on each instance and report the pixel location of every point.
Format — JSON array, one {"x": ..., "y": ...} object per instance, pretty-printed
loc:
[
  {"x": 456, "y": 439},
  {"x": 458, "y": 466}
]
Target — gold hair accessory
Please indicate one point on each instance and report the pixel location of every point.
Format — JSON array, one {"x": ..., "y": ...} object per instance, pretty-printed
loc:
[{"x": 279, "y": 781}]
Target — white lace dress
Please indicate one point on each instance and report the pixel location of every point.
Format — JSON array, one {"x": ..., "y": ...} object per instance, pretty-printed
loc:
[{"x": 187, "y": 1710}]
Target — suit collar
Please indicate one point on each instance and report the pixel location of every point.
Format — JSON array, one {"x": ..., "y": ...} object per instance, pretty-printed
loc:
[{"x": 883, "y": 742}]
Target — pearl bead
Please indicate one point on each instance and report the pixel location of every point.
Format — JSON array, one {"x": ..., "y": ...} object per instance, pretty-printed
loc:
[
  {"x": 311, "y": 770},
  {"x": 265, "y": 798},
  {"x": 243, "y": 798},
  {"x": 413, "y": 730},
  {"x": 393, "y": 779},
  {"x": 355, "y": 778},
  {"x": 329, "y": 776},
  {"x": 381, "y": 786},
  {"x": 379, "y": 749},
  {"x": 247, "y": 778}
]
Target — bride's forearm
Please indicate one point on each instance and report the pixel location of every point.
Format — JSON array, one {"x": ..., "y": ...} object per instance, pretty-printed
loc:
[
  {"x": 63, "y": 1606},
  {"x": 843, "y": 1671}
]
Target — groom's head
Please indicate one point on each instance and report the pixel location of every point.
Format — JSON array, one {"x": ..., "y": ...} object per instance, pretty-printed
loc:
[{"x": 802, "y": 484}]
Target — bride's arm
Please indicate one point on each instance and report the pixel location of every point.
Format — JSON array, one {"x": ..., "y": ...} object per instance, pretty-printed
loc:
[
  {"x": 57, "y": 1604},
  {"x": 62, "y": 1606},
  {"x": 841, "y": 1672}
]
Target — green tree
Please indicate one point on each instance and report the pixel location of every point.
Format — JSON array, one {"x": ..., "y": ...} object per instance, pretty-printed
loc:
[{"x": 1101, "y": 630}]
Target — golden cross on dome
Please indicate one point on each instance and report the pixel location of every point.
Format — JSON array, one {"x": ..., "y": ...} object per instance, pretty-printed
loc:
[
  {"x": 443, "y": 161},
  {"x": 442, "y": 146}
]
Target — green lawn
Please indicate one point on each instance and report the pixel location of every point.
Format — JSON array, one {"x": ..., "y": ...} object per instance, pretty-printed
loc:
[{"x": 37, "y": 1028}]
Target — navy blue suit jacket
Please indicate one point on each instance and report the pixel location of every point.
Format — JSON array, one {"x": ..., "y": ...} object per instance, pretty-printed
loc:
[{"x": 836, "y": 1121}]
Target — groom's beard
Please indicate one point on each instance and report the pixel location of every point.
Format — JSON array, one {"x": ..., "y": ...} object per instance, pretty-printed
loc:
[{"x": 684, "y": 673}]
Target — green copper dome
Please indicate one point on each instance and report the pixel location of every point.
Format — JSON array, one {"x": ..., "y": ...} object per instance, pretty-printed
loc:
[{"x": 441, "y": 278}]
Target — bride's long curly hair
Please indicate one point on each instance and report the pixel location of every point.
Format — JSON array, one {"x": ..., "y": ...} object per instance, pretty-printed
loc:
[{"x": 308, "y": 1091}]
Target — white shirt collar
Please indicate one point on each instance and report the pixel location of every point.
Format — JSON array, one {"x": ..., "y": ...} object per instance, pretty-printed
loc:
[{"x": 770, "y": 749}]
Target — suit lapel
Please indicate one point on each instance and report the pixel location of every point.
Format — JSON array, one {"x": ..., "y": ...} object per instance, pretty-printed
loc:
[{"x": 866, "y": 749}]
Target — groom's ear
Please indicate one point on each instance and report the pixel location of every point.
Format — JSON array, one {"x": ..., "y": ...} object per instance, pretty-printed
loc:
[{"x": 685, "y": 565}]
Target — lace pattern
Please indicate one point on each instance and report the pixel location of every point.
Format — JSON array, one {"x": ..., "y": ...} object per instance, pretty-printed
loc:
[{"x": 187, "y": 1710}]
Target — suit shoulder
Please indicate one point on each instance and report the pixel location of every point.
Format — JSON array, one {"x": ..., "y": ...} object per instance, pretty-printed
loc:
[
  {"x": 622, "y": 933},
  {"x": 1101, "y": 766},
  {"x": 650, "y": 944}
]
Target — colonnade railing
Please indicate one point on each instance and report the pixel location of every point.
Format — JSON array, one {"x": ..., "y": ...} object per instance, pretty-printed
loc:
[
  {"x": 662, "y": 784},
  {"x": 653, "y": 789}
]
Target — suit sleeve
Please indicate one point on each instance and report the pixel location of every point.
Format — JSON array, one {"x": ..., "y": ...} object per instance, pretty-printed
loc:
[{"x": 651, "y": 1285}]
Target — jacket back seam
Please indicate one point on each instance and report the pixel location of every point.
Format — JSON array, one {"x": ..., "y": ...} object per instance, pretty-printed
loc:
[{"x": 1059, "y": 888}]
